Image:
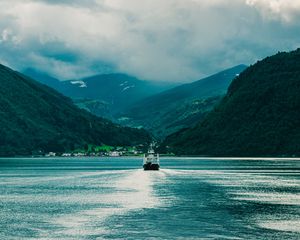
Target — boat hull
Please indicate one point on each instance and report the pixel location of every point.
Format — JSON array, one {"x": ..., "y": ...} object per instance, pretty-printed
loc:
[{"x": 151, "y": 167}]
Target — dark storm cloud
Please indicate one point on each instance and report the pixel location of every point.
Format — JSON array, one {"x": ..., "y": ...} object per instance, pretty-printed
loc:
[{"x": 176, "y": 40}]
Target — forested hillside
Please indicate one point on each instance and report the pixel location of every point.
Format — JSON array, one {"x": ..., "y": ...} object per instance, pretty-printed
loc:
[
  {"x": 259, "y": 116},
  {"x": 35, "y": 117}
]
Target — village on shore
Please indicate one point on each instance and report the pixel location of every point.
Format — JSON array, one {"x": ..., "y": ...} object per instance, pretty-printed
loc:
[{"x": 96, "y": 151}]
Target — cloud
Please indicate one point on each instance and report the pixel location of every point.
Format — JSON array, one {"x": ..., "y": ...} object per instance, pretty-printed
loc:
[
  {"x": 287, "y": 11},
  {"x": 174, "y": 40}
]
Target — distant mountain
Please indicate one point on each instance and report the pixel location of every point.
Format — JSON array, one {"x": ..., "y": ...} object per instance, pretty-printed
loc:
[
  {"x": 43, "y": 78},
  {"x": 179, "y": 107},
  {"x": 116, "y": 91},
  {"x": 259, "y": 116},
  {"x": 35, "y": 117}
]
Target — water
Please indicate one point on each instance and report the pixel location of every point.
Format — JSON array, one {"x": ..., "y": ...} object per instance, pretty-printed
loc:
[{"x": 112, "y": 198}]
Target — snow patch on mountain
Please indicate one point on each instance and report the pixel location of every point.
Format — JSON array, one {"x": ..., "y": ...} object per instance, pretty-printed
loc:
[
  {"x": 128, "y": 87},
  {"x": 81, "y": 83},
  {"x": 124, "y": 83}
]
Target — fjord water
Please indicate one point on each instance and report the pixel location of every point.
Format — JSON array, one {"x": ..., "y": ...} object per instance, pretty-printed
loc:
[{"x": 113, "y": 198}]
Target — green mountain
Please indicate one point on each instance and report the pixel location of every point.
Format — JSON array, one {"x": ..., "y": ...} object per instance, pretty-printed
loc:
[
  {"x": 35, "y": 117},
  {"x": 43, "y": 78},
  {"x": 259, "y": 116},
  {"x": 179, "y": 107},
  {"x": 104, "y": 94}
]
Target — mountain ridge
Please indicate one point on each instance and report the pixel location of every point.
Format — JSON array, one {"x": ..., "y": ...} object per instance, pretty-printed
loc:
[
  {"x": 114, "y": 91},
  {"x": 184, "y": 104}
]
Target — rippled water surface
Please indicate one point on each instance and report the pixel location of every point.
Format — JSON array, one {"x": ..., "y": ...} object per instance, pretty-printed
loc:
[{"x": 112, "y": 198}]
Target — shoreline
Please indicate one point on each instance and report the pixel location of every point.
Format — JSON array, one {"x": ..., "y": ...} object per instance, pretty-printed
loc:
[{"x": 164, "y": 157}]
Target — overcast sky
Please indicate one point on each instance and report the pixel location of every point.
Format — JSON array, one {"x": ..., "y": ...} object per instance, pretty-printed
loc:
[{"x": 174, "y": 40}]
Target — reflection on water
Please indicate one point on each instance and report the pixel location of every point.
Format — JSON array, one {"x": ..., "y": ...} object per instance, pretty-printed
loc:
[
  {"x": 131, "y": 190},
  {"x": 112, "y": 198}
]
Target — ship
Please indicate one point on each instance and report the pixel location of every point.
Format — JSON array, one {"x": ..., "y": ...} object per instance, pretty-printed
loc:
[{"x": 151, "y": 160}]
